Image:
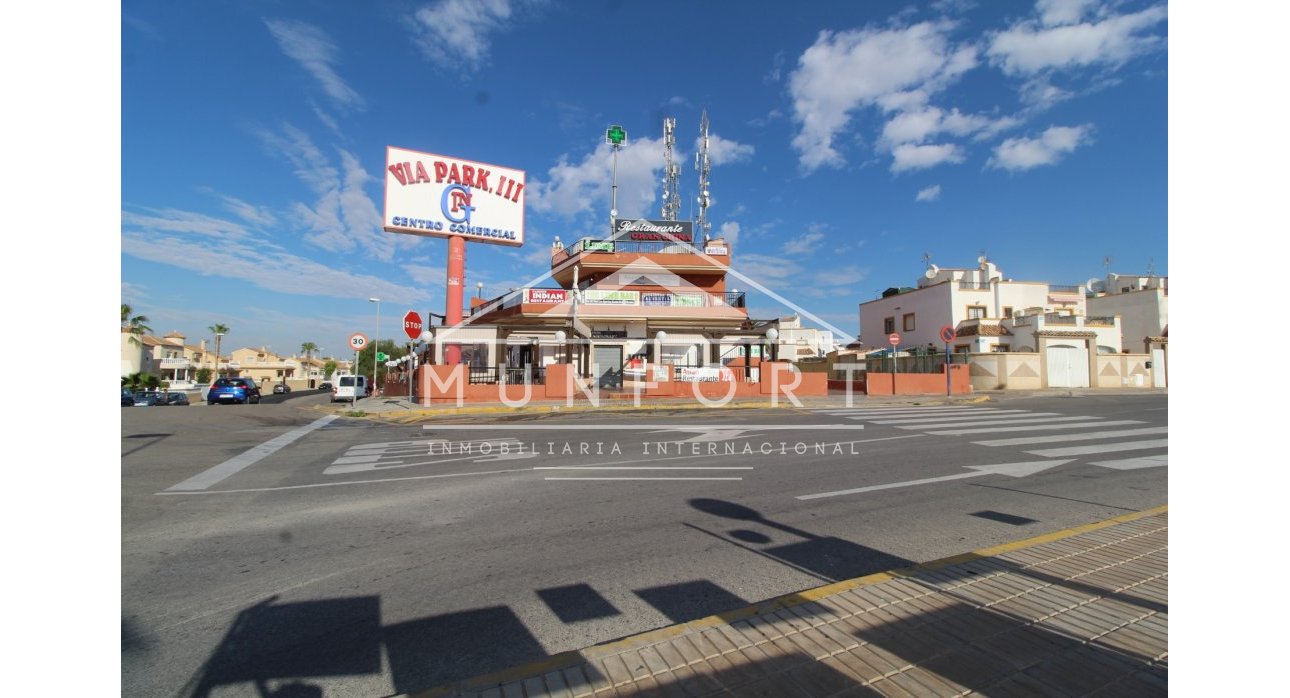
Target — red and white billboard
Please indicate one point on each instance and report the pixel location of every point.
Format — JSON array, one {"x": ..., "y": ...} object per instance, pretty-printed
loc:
[
  {"x": 441, "y": 196},
  {"x": 545, "y": 295}
]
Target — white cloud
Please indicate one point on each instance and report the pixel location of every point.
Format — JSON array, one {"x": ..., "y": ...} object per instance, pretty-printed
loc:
[
  {"x": 931, "y": 193},
  {"x": 314, "y": 51},
  {"x": 249, "y": 259},
  {"x": 457, "y": 34},
  {"x": 725, "y": 152},
  {"x": 1057, "y": 12},
  {"x": 1024, "y": 153},
  {"x": 584, "y": 187},
  {"x": 909, "y": 156},
  {"x": 1028, "y": 47},
  {"x": 425, "y": 274},
  {"x": 845, "y": 71},
  {"x": 729, "y": 232},
  {"x": 176, "y": 221},
  {"x": 259, "y": 216},
  {"x": 344, "y": 217},
  {"x": 805, "y": 243},
  {"x": 916, "y": 126}
]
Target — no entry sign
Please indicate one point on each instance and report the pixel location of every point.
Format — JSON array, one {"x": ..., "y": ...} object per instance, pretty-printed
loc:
[{"x": 893, "y": 339}]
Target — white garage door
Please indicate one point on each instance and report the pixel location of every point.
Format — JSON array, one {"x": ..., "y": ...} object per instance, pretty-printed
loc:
[{"x": 1067, "y": 366}]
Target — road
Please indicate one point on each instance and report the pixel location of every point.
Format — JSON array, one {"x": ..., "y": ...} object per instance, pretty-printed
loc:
[{"x": 270, "y": 546}]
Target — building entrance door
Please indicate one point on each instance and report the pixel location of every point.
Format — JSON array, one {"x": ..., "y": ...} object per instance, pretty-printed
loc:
[
  {"x": 609, "y": 366},
  {"x": 1067, "y": 366}
]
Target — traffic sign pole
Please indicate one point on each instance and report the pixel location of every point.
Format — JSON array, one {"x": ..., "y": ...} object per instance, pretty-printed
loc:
[
  {"x": 947, "y": 335},
  {"x": 894, "y": 340}
]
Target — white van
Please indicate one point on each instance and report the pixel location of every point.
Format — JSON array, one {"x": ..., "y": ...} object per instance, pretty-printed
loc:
[{"x": 350, "y": 387}]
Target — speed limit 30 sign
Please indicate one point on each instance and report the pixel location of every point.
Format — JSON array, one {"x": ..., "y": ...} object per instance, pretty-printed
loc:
[{"x": 358, "y": 341}]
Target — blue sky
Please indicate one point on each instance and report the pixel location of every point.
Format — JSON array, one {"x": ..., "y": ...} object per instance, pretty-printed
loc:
[{"x": 850, "y": 138}]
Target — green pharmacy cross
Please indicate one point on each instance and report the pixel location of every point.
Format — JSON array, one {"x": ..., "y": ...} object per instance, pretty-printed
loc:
[
  {"x": 381, "y": 356},
  {"x": 615, "y": 135}
]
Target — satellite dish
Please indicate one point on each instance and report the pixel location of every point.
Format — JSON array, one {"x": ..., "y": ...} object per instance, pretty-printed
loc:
[
  {"x": 932, "y": 271},
  {"x": 1090, "y": 283},
  {"x": 981, "y": 259}
]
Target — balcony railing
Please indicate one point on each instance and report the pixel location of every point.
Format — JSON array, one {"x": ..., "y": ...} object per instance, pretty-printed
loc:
[
  {"x": 591, "y": 246},
  {"x": 974, "y": 285},
  {"x": 1066, "y": 289},
  {"x": 1055, "y": 319},
  {"x": 681, "y": 298},
  {"x": 1099, "y": 320}
]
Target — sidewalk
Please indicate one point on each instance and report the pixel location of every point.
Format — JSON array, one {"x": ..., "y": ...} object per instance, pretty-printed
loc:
[{"x": 1078, "y": 612}]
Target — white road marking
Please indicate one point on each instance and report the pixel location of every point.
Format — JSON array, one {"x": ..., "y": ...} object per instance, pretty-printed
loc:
[
  {"x": 353, "y": 482},
  {"x": 637, "y": 427},
  {"x": 621, "y": 479},
  {"x": 1003, "y": 414},
  {"x": 866, "y": 412},
  {"x": 1041, "y": 427},
  {"x": 1161, "y": 460},
  {"x": 644, "y": 467},
  {"x": 240, "y": 462},
  {"x": 991, "y": 422},
  {"x": 1058, "y": 438},
  {"x": 1009, "y": 469},
  {"x": 1101, "y": 448}
]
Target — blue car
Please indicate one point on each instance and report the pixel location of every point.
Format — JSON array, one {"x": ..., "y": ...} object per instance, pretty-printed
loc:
[{"x": 235, "y": 390}]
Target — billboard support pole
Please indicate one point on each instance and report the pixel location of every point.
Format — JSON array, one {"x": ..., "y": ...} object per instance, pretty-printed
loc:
[{"x": 454, "y": 294}]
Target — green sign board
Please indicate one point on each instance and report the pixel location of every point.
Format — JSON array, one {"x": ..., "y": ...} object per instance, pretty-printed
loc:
[
  {"x": 615, "y": 135},
  {"x": 382, "y": 356},
  {"x": 598, "y": 245}
]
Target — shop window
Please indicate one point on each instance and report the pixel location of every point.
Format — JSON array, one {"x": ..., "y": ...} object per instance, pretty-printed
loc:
[
  {"x": 888, "y": 325},
  {"x": 975, "y": 312},
  {"x": 907, "y": 322}
]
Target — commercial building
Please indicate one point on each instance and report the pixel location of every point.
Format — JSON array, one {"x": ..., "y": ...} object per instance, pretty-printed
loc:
[{"x": 648, "y": 293}]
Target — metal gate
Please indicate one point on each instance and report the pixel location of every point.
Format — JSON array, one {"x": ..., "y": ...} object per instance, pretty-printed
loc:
[
  {"x": 609, "y": 366},
  {"x": 1067, "y": 366}
]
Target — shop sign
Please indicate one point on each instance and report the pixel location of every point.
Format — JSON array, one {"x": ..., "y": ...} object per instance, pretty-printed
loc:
[
  {"x": 704, "y": 374},
  {"x": 441, "y": 196},
  {"x": 687, "y": 300},
  {"x": 643, "y": 230},
  {"x": 716, "y": 249},
  {"x": 598, "y": 245},
  {"x": 595, "y": 297},
  {"x": 656, "y": 299},
  {"x": 545, "y": 295},
  {"x": 609, "y": 334}
]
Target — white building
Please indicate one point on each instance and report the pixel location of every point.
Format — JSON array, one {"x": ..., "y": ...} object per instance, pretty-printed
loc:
[
  {"x": 992, "y": 313},
  {"x": 1141, "y": 302}
]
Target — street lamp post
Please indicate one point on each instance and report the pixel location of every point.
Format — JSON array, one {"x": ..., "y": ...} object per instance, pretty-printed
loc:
[
  {"x": 772, "y": 335},
  {"x": 376, "y": 343}
]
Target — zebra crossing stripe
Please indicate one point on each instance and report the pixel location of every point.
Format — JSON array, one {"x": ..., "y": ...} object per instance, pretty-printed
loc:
[
  {"x": 1100, "y": 448},
  {"x": 1008, "y": 414},
  {"x": 1135, "y": 463},
  {"x": 865, "y": 411},
  {"x": 1058, "y": 438},
  {"x": 1039, "y": 427},
  {"x": 1014, "y": 420}
]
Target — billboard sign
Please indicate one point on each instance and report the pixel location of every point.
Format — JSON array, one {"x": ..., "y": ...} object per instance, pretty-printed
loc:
[
  {"x": 656, "y": 299},
  {"x": 643, "y": 230},
  {"x": 598, "y": 245},
  {"x": 441, "y": 196},
  {"x": 545, "y": 295},
  {"x": 594, "y": 297}
]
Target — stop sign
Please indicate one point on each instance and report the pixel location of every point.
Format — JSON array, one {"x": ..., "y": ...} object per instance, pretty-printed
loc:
[{"x": 412, "y": 325}]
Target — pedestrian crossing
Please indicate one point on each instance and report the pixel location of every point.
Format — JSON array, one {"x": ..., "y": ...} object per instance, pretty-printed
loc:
[{"x": 1051, "y": 434}]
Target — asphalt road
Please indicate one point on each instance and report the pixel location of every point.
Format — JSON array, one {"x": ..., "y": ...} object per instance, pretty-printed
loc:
[{"x": 265, "y": 545}]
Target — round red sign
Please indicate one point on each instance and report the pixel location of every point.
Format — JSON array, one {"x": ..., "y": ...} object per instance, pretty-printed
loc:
[
  {"x": 948, "y": 334},
  {"x": 893, "y": 339},
  {"x": 412, "y": 324}
]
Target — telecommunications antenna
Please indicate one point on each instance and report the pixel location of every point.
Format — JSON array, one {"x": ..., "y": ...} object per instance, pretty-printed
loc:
[
  {"x": 703, "y": 166},
  {"x": 927, "y": 259},
  {"x": 671, "y": 172}
]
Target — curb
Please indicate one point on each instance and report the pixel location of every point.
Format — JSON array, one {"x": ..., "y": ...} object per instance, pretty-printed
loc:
[{"x": 649, "y": 637}]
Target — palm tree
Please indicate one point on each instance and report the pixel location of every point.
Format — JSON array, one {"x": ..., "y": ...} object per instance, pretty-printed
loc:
[
  {"x": 219, "y": 330},
  {"x": 308, "y": 348},
  {"x": 136, "y": 325}
]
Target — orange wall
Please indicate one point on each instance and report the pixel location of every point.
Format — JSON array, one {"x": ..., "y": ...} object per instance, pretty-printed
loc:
[{"x": 919, "y": 383}]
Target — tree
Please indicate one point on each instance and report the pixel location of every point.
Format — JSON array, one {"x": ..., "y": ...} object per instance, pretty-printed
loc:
[
  {"x": 203, "y": 375},
  {"x": 308, "y": 348},
  {"x": 329, "y": 368},
  {"x": 386, "y": 346},
  {"x": 219, "y": 330},
  {"x": 134, "y": 324}
]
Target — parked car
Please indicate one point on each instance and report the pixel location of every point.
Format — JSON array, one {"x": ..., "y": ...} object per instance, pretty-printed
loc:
[
  {"x": 176, "y": 399},
  {"x": 351, "y": 388},
  {"x": 281, "y": 389},
  {"x": 127, "y": 398},
  {"x": 144, "y": 398},
  {"x": 236, "y": 390},
  {"x": 325, "y": 386}
]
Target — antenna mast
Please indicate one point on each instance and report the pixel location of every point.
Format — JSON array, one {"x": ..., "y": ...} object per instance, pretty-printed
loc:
[
  {"x": 671, "y": 172},
  {"x": 704, "y": 167}
]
